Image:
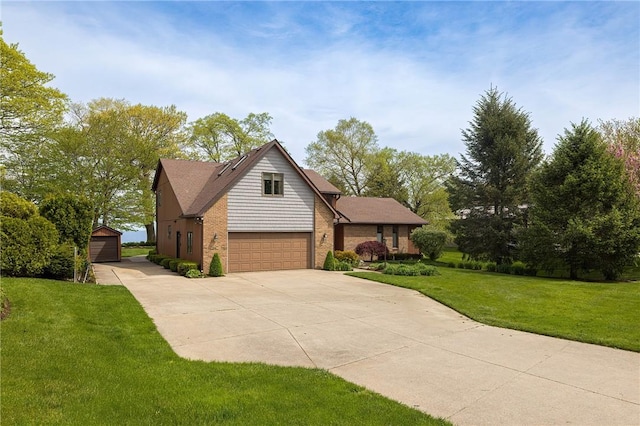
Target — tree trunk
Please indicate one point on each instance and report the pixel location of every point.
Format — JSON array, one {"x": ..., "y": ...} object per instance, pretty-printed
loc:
[{"x": 151, "y": 232}]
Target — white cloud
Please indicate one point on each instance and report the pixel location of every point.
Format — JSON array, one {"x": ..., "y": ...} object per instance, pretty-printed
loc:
[{"x": 415, "y": 84}]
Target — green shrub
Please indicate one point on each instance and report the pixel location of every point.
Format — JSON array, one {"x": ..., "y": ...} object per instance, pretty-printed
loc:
[
  {"x": 429, "y": 241},
  {"x": 491, "y": 267},
  {"x": 173, "y": 264},
  {"x": 426, "y": 270},
  {"x": 194, "y": 273},
  {"x": 451, "y": 264},
  {"x": 215, "y": 268},
  {"x": 329, "y": 262},
  {"x": 158, "y": 258},
  {"x": 151, "y": 254},
  {"x": 518, "y": 268},
  {"x": 62, "y": 263},
  {"x": 12, "y": 205},
  {"x": 72, "y": 216},
  {"x": 406, "y": 256},
  {"x": 504, "y": 268},
  {"x": 343, "y": 266},
  {"x": 166, "y": 262},
  {"x": 400, "y": 269},
  {"x": 27, "y": 245},
  {"x": 349, "y": 256},
  {"x": 139, "y": 244},
  {"x": 186, "y": 266}
]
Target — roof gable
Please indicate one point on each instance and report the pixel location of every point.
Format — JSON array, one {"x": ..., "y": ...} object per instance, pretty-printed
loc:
[
  {"x": 198, "y": 185},
  {"x": 371, "y": 210},
  {"x": 104, "y": 231},
  {"x": 187, "y": 178}
]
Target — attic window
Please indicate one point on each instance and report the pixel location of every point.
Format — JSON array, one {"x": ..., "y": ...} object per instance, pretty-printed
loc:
[
  {"x": 272, "y": 184},
  {"x": 244, "y": 157}
]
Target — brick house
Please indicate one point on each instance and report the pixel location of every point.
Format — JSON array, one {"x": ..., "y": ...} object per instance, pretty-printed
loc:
[
  {"x": 367, "y": 219},
  {"x": 259, "y": 212}
]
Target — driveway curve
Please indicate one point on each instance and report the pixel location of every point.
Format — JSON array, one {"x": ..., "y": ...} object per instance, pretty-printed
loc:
[{"x": 393, "y": 341}]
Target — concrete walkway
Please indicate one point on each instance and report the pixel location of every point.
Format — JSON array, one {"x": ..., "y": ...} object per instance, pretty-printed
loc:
[{"x": 391, "y": 340}]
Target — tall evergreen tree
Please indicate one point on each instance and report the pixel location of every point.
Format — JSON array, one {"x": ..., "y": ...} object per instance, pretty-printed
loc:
[
  {"x": 490, "y": 186},
  {"x": 585, "y": 215}
]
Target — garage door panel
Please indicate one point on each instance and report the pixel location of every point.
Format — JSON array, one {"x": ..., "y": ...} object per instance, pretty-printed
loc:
[{"x": 269, "y": 251}]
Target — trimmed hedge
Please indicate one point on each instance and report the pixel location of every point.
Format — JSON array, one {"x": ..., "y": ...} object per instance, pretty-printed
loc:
[
  {"x": 186, "y": 266},
  {"x": 406, "y": 256},
  {"x": 410, "y": 270},
  {"x": 181, "y": 266}
]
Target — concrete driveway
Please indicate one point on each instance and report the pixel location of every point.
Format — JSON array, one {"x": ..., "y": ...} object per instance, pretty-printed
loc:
[{"x": 394, "y": 341}]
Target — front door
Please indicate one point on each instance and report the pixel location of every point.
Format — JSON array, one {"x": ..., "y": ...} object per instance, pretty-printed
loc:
[{"x": 178, "y": 244}]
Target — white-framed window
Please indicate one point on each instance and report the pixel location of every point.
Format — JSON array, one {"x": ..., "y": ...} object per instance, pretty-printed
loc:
[
  {"x": 272, "y": 184},
  {"x": 169, "y": 232},
  {"x": 379, "y": 233}
]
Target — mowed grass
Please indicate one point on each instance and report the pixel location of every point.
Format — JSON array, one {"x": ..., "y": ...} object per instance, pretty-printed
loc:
[
  {"x": 602, "y": 313},
  {"x": 86, "y": 354},
  {"x": 135, "y": 251}
]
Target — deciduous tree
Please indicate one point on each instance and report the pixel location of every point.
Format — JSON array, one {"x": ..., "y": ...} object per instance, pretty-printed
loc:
[
  {"x": 623, "y": 138},
  {"x": 384, "y": 176},
  {"x": 424, "y": 177},
  {"x": 218, "y": 137},
  {"x": 109, "y": 152},
  {"x": 29, "y": 111},
  {"x": 345, "y": 153}
]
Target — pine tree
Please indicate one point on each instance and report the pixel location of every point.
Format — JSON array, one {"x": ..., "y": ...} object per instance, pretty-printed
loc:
[
  {"x": 490, "y": 188},
  {"x": 585, "y": 215}
]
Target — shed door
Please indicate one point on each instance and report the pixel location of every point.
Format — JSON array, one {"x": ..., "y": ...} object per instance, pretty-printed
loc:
[
  {"x": 269, "y": 251},
  {"x": 104, "y": 249}
]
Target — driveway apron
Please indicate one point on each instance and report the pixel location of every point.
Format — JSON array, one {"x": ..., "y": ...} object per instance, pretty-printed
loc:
[{"x": 393, "y": 341}]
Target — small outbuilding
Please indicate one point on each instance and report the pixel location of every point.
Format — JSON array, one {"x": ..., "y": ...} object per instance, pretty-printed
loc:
[{"x": 105, "y": 245}]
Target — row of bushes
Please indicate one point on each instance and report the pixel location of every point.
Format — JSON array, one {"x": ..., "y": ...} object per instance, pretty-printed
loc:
[
  {"x": 186, "y": 268},
  {"x": 515, "y": 268},
  {"x": 410, "y": 270},
  {"x": 406, "y": 269},
  {"x": 139, "y": 244}
]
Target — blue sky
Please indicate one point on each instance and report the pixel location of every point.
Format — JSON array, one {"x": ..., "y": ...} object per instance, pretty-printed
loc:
[{"x": 413, "y": 70}]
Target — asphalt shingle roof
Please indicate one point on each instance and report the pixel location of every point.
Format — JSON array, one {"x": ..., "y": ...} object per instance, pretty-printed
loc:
[{"x": 368, "y": 210}]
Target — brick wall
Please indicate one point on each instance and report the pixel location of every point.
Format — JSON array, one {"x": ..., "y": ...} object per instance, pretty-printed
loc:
[
  {"x": 323, "y": 224},
  {"x": 215, "y": 234},
  {"x": 356, "y": 234}
]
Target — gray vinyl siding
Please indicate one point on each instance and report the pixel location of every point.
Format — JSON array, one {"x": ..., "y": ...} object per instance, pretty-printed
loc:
[{"x": 250, "y": 211}]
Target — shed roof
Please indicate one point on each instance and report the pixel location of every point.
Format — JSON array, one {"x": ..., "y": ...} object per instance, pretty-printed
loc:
[
  {"x": 369, "y": 210},
  {"x": 105, "y": 231}
]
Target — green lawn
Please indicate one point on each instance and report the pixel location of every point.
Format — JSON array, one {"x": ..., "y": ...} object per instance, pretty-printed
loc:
[
  {"x": 602, "y": 313},
  {"x": 135, "y": 251},
  {"x": 631, "y": 272},
  {"x": 86, "y": 354}
]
